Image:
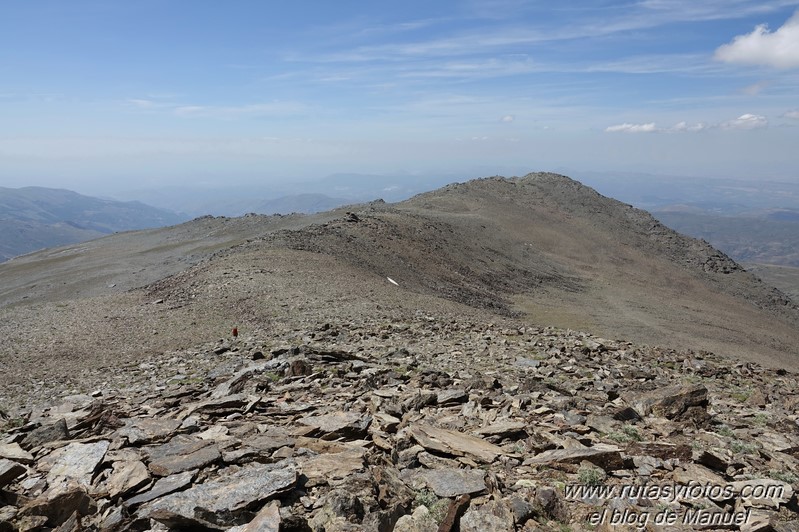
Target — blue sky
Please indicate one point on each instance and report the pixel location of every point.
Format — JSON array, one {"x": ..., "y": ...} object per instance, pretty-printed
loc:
[{"x": 114, "y": 95}]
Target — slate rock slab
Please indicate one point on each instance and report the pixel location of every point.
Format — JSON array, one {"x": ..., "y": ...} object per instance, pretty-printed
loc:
[
  {"x": 339, "y": 424},
  {"x": 274, "y": 438},
  {"x": 455, "y": 443},
  {"x": 605, "y": 456},
  {"x": 78, "y": 461},
  {"x": 452, "y": 396},
  {"x": 693, "y": 472},
  {"x": 47, "y": 433},
  {"x": 9, "y": 471},
  {"x": 448, "y": 483},
  {"x": 127, "y": 476},
  {"x": 13, "y": 451},
  {"x": 221, "y": 405},
  {"x": 144, "y": 430},
  {"x": 163, "y": 486},
  {"x": 779, "y": 443},
  {"x": 182, "y": 453},
  {"x": 222, "y": 502},
  {"x": 671, "y": 402},
  {"x": 324, "y": 468},
  {"x": 184, "y": 462}
]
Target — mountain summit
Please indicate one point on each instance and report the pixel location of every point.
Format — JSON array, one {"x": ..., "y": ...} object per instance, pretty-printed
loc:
[
  {"x": 409, "y": 366},
  {"x": 555, "y": 251},
  {"x": 542, "y": 248}
]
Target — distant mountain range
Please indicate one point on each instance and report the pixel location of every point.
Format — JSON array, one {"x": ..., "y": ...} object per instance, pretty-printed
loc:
[
  {"x": 299, "y": 203},
  {"x": 711, "y": 195},
  {"x": 755, "y": 221},
  {"x": 306, "y": 197},
  {"x": 543, "y": 247},
  {"x": 33, "y": 218},
  {"x": 770, "y": 237}
]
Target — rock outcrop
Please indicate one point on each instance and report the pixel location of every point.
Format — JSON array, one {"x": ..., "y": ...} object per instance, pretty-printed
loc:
[{"x": 466, "y": 427}]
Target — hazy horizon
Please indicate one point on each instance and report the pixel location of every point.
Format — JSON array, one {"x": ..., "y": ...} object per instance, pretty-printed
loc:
[{"x": 103, "y": 97}]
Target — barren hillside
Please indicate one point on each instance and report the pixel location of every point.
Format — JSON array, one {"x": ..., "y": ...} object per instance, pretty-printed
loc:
[
  {"x": 550, "y": 250},
  {"x": 542, "y": 249},
  {"x": 396, "y": 367}
]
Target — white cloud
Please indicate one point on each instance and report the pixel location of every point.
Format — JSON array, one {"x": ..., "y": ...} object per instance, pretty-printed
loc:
[
  {"x": 778, "y": 49},
  {"x": 746, "y": 121},
  {"x": 691, "y": 10},
  {"x": 507, "y": 119},
  {"x": 477, "y": 69},
  {"x": 646, "y": 64},
  {"x": 792, "y": 114},
  {"x": 151, "y": 102},
  {"x": 141, "y": 104},
  {"x": 632, "y": 128},
  {"x": 400, "y": 27},
  {"x": 685, "y": 126}
]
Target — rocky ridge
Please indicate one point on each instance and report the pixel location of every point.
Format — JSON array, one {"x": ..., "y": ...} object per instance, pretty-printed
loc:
[
  {"x": 417, "y": 424},
  {"x": 392, "y": 372}
]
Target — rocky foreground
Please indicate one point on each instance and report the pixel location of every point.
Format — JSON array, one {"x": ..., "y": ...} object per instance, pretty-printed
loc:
[{"x": 417, "y": 425}]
